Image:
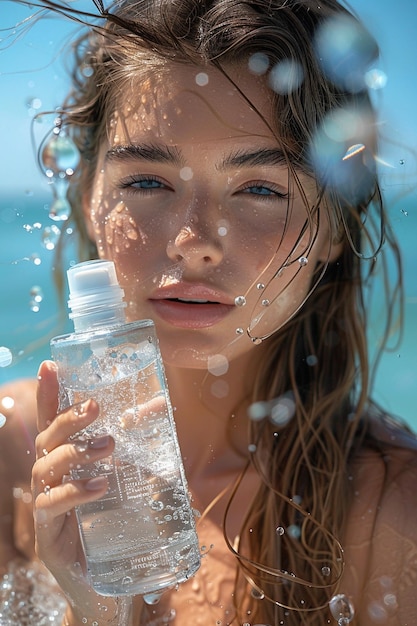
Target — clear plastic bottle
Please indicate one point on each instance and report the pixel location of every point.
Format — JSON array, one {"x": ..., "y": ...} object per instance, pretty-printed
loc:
[{"x": 140, "y": 537}]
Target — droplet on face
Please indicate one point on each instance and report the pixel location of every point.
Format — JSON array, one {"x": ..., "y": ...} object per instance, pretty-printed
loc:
[
  {"x": 260, "y": 286},
  {"x": 280, "y": 530},
  {"x": 303, "y": 260},
  {"x": 240, "y": 301},
  {"x": 341, "y": 608},
  {"x": 239, "y": 331},
  {"x": 217, "y": 364},
  {"x": 186, "y": 173}
]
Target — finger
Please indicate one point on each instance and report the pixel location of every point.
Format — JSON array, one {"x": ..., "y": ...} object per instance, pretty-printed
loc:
[
  {"x": 49, "y": 471},
  {"x": 65, "y": 425},
  {"x": 51, "y": 505},
  {"x": 47, "y": 394}
]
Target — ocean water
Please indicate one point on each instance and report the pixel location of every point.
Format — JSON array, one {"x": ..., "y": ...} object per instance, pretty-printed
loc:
[{"x": 30, "y": 313}]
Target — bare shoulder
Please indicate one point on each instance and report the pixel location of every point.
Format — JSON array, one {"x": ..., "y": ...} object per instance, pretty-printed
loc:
[{"x": 381, "y": 536}]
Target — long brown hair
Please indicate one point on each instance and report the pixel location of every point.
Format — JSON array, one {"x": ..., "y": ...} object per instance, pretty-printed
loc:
[{"x": 289, "y": 558}]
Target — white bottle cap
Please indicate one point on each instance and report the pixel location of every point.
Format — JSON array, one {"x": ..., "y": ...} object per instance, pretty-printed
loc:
[{"x": 96, "y": 299}]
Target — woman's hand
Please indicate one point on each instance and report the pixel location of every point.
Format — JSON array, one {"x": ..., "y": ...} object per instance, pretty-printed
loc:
[{"x": 58, "y": 542}]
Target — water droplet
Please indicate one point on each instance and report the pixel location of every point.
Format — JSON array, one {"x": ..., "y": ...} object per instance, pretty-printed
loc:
[
  {"x": 326, "y": 570},
  {"x": 341, "y": 608},
  {"x": 2, "y": 420},
  {"x": 311, "y": 360},
  {"x": 186, "y": 173},
  {"x": 353, "y": 151},
  {"x": 294, "y": 531},
  {"x": 240, "y": 301},
  {"x": 280, "y": 530},
  {"x": 60, "y": 155},
  {"x": 376, "y": 79},
  {"x": 50, "y": 237},
  {"x": 402, "y": 161},
  {"x": 152, "y": 598},
  {"x": 257, "y": 593},
  {"x": 202, "y": 79},
  {"x": 260, "y": 286},
  {"x": 60, "y": 210},
  {"x": 6, "y": 356},
  {"x": 36, "y": 293},
  {"x": 252, "y": 448},
  {"x": 257, "y": 341},
  {"x": 47, "y": 489},
  {"x": 157, "y": 505},
  {"x": 217, "y": 364},
  {"x": 258, "y": 410},
  {"x": 265, "y": 302},
  {"x": 258, "y": 63},
  {"x": 303, "y": 260},
  {"x": 286, "y": 76},
  {"x": 35, "y": 258},
  {"x": 404, "y": 212},
  {"x": 239, "y": 331}
]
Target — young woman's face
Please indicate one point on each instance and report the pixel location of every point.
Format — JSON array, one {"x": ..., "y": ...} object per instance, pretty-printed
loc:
[{"x": 193, "y": 202}]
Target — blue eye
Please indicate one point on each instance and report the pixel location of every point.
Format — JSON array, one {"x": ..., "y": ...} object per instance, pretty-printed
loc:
[
  {"x": 140, "y": 184},
  {"x": 147, "y": 183},
  {"x": 259, "y": 190}
]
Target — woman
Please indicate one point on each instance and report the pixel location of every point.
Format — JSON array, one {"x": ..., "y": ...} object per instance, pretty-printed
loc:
[{"x": 227, "y": 168}]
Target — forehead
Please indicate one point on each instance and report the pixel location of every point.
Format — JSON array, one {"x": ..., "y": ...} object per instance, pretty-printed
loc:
[{"x": 184, "y": 103}]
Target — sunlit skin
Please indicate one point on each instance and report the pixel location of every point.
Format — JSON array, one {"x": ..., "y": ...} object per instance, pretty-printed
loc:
[{"x": 191, "y": 195}]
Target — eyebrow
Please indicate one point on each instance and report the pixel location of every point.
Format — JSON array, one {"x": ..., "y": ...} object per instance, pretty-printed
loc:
[
  {"x": 145, "y": 152},
  {"x": 159, "y": 153},
  {"x": 263, "y": 156}
]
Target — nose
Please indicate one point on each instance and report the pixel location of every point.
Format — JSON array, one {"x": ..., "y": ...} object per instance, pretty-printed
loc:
[{"x": 196, "y": 246}]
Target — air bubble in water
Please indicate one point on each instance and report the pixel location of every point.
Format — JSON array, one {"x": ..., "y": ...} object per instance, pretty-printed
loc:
[{"x": 240, "y": 301}]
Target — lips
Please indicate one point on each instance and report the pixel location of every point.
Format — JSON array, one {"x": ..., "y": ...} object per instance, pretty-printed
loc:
[{"x": 191, "y": 306}]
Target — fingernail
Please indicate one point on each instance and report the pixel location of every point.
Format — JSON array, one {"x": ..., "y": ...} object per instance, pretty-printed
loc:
[
  {"x": 96, "y": 484},
  {"x": 100, "y": 442}
]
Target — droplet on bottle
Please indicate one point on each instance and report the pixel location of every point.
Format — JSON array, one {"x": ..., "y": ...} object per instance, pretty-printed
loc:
[
  {"x": 152, "y": 598},
  {"x": 342, "y": 609},
  {"x": 303, "y": 260},
  {"x": 240, "y": 301}
]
